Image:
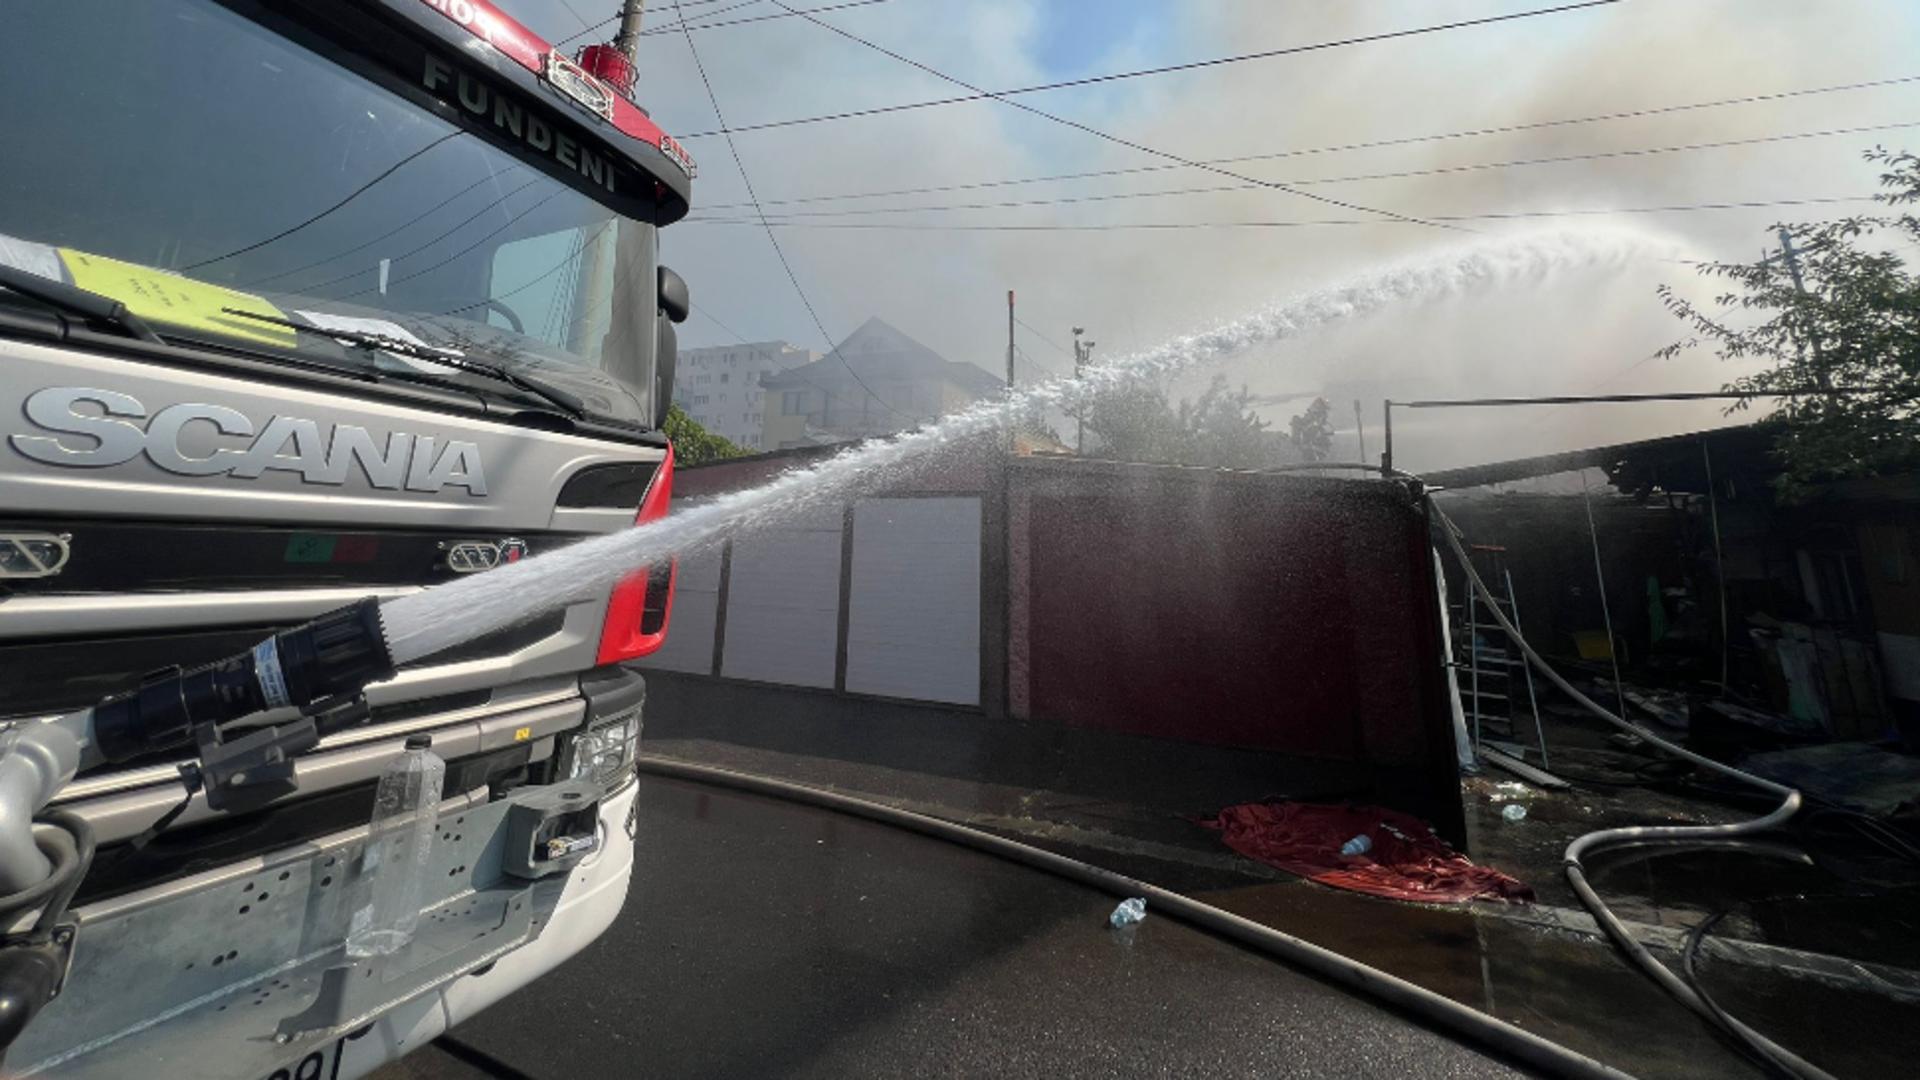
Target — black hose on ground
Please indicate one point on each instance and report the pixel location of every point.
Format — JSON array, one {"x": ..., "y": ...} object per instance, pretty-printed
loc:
[
  {"x": 1689, "y": 955},
  {"x": 1884, "y": 836},
  {"x": 1790, "y": 802},
  {"x": 1443, "y": 1013}
]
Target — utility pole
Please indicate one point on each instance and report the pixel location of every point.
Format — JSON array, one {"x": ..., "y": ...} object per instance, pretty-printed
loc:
[
  {"x": 1386, "y": 417},
  {"x": 1009, "y": 341},
  {"x": 1082, "y": 356},
  {"x": 1013, "y": 429},
  {"x": 1792, "y": 258},
  {"x": 627, "y": 40},
  {"x": 1359, "y": 429}
]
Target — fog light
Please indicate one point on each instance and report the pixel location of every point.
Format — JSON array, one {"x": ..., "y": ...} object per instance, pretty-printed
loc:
[
  {"x": 32, "y": 555},
  {"x": 605, "y": 752}
]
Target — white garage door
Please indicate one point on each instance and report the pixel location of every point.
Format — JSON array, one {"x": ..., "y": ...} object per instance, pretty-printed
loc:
[
  {"x": 783, "y": 604},
  {"x": 696, "y": 601},
  {"x": 913, "y": 627}
]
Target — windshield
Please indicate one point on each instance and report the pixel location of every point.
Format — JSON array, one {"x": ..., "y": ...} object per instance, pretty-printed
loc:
[{"x": 226, "y": 154}]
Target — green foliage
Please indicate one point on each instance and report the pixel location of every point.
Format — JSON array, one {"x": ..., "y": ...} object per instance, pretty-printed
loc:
[
  {"x": 1312, "y": 432},
  {"x": 1137, "y": 422},
  {"x": 1852, "y": 321},
  {"x": 1221, "y": 429},
  {"x": 693, "y": 444}
]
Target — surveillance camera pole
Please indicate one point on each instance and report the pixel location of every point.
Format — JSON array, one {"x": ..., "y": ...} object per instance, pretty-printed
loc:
[{"x": 1082, "y": 354}]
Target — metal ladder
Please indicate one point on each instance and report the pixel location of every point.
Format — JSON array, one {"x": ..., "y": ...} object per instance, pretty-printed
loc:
[{"x": 1490, "y": 660}]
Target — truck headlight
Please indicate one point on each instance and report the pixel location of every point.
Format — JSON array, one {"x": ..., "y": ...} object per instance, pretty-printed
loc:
[{"x": 606, "y": 751}]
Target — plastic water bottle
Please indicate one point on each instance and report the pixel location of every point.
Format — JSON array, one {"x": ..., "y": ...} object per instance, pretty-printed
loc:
[
  {"x": 393, "y": 873},
  {"x": 1130, "y": 911},
  {"x": 1359, "y": 845}
]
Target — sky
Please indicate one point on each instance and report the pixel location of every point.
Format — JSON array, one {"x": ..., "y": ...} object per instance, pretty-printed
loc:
[{"x": 1133, "y": 288}]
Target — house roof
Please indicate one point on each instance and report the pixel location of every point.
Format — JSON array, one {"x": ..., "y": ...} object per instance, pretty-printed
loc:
[
  {"x": 879, "y": 351},
  {"x": 1748, "y": 441}
]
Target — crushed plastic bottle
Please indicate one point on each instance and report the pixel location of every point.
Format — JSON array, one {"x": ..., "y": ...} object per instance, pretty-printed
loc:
[
  {"x": 1359, "y": 845},
  {"x": 1513, "y": 811},
  {"x": 392, "y": 880},
  {"x": 1131, "y": 910}
]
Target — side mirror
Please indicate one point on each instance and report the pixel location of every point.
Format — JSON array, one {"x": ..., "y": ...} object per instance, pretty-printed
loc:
[
  {"x": 665, "y": 354},
  {"x": 673, "y": 295}
]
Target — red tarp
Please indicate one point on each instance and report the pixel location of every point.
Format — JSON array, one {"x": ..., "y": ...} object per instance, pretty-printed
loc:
[{"x": 1407, "y": 861}]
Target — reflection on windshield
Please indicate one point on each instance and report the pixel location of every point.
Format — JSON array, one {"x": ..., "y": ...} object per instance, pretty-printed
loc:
[{"x": 328, "y": 196}]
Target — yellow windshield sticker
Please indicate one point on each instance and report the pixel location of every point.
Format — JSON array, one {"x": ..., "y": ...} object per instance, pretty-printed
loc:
[{"x": 180, "y": 301}]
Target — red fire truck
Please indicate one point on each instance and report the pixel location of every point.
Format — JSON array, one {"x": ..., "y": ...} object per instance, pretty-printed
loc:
[{"x": 306, "y": 303}]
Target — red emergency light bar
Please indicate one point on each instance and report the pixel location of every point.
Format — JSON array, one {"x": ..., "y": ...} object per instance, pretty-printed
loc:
[{"x": 519, "y": 44}]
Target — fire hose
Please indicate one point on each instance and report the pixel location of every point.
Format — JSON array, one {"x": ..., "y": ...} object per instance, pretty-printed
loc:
[
  {"x": 1775, "y": 1056},
  {"x": 1461, "y": 1021},
  {"x": 318, "y": 668}
]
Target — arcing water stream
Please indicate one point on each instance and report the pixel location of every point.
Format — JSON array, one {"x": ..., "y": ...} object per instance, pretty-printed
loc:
[{"x": 426, "y": 622}]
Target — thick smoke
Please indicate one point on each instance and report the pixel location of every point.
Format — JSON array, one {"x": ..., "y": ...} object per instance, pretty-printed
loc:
[
  {"x": 422, "y": 623},
  {"x": 1134, "y": 288}
]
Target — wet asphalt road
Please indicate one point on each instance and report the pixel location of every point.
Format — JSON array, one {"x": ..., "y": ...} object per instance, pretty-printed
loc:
[{"x": 766, "y": 939}]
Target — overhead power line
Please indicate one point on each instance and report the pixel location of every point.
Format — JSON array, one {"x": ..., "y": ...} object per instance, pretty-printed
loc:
[
  {"x": 458, "y": 255},
  {"x": 772, "y": 239},
  {"x": 1013, "y": 204},
  {"x": 684, "y": 21},
  {"x": 413, "y": 218},
  {"x": 1090, "y": 130},
  {"x": 905, "y": 226},
  {"x": 497, "y": 205},
  {"x": 672, "y": 28},
  {"x": 1041, "y": 336},
  {"x": 978, "y": 94},
  {"x": 698, "y": 22},
  {"x": 577, "y": 17},
  {"x": 615, "y": 17},
  {"x": 571, "y": 10},
  {"x": 352, "y": 195},
  {"x": 1049, "y": 369},
  {"x": 1504, "y": 129}
]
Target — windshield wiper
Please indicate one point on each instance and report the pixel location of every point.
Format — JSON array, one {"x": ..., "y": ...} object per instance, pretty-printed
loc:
[
  {"x": 435, "y": 354},
  {"x": 77, "y": 301}
]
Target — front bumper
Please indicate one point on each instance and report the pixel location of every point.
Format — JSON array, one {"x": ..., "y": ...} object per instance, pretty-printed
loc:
[
  {"x": 592, "y": 899},
  {"x": 237, "y": 971}
]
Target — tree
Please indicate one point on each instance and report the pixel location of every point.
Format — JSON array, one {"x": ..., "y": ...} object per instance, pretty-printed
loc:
[
  {"x": 1137, "y": 422},
  {"x": 693, "y": 444},
  {"x": 1221, "y": 429},
  {"x": 1850, "y": 321},
  {"x": 1312, "y": 432},
  {"x": 1134, "y": 422}
]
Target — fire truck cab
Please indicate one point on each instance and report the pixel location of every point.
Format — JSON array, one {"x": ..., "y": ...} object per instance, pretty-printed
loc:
[{"x": 304, "y": 302}]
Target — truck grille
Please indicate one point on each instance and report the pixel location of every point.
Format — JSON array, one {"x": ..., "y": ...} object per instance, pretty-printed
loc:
[
  {"x": 46, "y": 677},
  {"x": 143, "y": 557}
]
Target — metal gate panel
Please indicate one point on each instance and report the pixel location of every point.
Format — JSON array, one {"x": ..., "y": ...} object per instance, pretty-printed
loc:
[
  {"x": 913, "y": 627},
  {"x": 783, "y": 604},
  {"x": 695, "y": 615}
]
